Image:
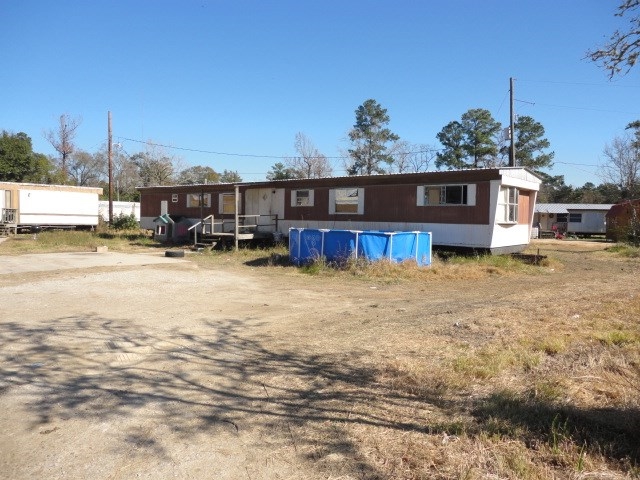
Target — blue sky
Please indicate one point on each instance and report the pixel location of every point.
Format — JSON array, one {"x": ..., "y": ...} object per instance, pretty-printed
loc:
[{"x": 243, "y": 77}]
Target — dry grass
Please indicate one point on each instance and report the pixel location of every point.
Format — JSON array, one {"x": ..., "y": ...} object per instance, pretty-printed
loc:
[
  {"x": 556, "y": 404},
  {"x": 74, "y": 241},
  {"x": 484, "y": 382}
]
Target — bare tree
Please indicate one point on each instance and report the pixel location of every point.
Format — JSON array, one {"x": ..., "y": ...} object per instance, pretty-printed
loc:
[
  {"x": 85, "y": 169},
  {"x": 125, "y": 175},
  {"x": 309, "y": 163},
  {"x": 62, "y": 139},
  {"x": 621, "y": 53},
  {"x": 623, "y": 165},
  {"x": 155, "y": 166},
  {"x": 410, "y": 158}
]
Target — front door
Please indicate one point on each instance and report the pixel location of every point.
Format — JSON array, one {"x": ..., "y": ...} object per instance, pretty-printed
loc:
[{"x": 266, "y": 202}]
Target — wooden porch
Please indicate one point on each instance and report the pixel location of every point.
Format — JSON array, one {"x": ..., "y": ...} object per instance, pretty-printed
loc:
[
  {"x": 243, "y": 228},
  {"x": 8, "y": 222}
]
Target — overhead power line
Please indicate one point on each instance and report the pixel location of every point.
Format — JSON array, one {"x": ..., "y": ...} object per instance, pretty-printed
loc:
[{"x": 251, "y": 155}]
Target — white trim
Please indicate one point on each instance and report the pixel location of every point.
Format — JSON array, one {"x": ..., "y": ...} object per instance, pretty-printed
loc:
[
  {"x": 294, "y": 197},
  {"x": 332, "y": 201},
  {"x": 420, "y": 196}
]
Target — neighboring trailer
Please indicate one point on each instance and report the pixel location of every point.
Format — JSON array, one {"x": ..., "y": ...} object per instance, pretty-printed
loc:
[
  {"x": 572, "y": 218},
  {"x": 59, "y": 206},
  {"x": 489, "y": 209}
]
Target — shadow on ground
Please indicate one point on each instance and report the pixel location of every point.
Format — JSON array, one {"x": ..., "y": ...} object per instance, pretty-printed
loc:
[
  {"x": 217, "y": 377},
  {"x": 98, "y": 369}
]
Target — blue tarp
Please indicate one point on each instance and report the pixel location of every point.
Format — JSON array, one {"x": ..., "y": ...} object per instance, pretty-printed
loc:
[{"x": 307, "y": 245}]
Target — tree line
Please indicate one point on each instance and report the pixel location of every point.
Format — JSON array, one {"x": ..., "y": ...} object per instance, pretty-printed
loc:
[
  {"x": 74, "y": 166},
  {"x": 477, "y": 140}
]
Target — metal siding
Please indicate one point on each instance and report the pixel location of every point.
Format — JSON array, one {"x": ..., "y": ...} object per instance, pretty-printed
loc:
[{"x": 395, "y": 203}]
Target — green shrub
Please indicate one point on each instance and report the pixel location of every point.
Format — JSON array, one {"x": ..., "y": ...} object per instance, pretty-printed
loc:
[{"x": 125, "y": 222}]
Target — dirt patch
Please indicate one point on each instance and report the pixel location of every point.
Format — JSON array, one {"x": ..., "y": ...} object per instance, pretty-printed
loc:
[{"x": 179, "y": 370}]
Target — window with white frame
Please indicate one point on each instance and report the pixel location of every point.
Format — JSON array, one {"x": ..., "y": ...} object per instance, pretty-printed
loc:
[
  {"x": 227, "y": 203},
  {"x": 174, "y": 198},
  {"x": 429, "y": 195},
  {"x": 302, "y": 198},
  {"x": 346, "y": 201},
  {"x": 198, "y": 200},
  {"x": 508, "y": 205}
]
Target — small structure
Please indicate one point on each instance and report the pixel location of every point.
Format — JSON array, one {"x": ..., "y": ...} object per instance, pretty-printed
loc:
[
  {"x": 27, "y": 205},
  {"x": 171, "y": 229},
  {"x": 623, "y": 221},
  {"x": 482, "y": 209},
  {"x": 571, "y": 218}
]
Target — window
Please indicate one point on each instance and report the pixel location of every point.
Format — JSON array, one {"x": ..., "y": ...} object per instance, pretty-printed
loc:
[
  {"x": 228, "y": 203},
  {"x": 302, "y": 198},
  {"x": 446, "y": 195},
  {"x": 562, "y": 217},
  {"x": 508, "y": 205},
  {"x": 193, "y": 199},
  {"x": 161, "y": 229},
  {"x": 346, "y": 201},
  {"x": 575, "y": 217},
  {"x": 174, "y": 198}
]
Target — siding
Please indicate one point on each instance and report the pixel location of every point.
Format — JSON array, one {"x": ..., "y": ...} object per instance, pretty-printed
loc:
[{"x": 395, "y": 203}]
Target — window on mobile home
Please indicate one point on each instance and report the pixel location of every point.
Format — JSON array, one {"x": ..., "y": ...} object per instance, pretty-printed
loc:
[
  {"x": 227, "y": 203},
  {"x": 193, "y": 199},
  {"x": 508, "y": 205},
  {"x": 446, "y": 195},
  {"x": 346, "y": 201},
  {"x": 575, "y": 217},
  {"x": 302, "y": 198}
]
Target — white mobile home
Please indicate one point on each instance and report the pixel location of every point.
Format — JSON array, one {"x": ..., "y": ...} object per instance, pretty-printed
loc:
[
  {"x": 572, "y": 218},
  {"x": 25, "y": 205}
]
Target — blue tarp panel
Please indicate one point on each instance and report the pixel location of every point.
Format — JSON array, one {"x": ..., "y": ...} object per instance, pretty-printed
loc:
[{"x": 307, "y": 245}]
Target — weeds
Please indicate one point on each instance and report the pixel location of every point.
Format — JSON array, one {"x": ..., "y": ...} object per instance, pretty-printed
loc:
[{"x": 70, "y": 241}]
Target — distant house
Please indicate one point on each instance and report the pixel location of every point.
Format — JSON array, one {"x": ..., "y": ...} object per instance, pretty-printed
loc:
[
  {"x": 623, "y": 221},
  {"x": 572, "y": 218},
  {"x": 490, "y": 209}
]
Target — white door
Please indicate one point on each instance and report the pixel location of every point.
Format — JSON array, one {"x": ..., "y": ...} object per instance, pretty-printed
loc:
[
  {"x": 164, "y": 207},
  {"x": 266, "y": 202}
]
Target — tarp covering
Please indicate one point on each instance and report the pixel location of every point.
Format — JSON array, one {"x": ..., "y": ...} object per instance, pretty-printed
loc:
[{"x": 307, "y": 245}]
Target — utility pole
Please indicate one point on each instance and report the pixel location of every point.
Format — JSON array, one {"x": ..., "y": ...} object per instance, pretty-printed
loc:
[
  {"x": 109, "y": 155},
  {"x": 512, "y": 132}
]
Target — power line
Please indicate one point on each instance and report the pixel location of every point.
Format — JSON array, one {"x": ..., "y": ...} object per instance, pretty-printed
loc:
[
  {"x": 593, "y": 109},
  {"x": 250, "y": 155},
  {"x": 584, "y": 84}
]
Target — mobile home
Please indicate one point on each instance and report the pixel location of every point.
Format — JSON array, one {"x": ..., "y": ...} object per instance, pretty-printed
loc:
[
  {"x": 24, "y": 205},
  {"x": 573, "y": 218},
  {"x": 489, "y": 209}
]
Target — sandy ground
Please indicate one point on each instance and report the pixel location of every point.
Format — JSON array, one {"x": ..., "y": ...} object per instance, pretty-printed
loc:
[{"x": 118, "y": 366}]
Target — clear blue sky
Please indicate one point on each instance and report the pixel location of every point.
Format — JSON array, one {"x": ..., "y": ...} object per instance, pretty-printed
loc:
[{"x": 243, "y": 77}]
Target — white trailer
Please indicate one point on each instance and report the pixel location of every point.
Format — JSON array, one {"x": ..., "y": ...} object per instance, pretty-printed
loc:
[{"x": 26, "y": 205}]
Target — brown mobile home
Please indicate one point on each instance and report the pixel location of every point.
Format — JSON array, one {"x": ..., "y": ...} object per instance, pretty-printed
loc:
[{"x": 482, "y": 209}]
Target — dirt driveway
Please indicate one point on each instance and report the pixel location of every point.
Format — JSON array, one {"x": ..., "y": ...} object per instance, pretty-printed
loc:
[{"x": 145, "y": 367}]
